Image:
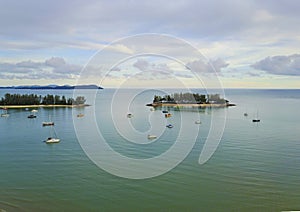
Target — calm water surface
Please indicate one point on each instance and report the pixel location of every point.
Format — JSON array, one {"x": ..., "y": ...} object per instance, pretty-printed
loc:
[{"x": 255, "y": 167}]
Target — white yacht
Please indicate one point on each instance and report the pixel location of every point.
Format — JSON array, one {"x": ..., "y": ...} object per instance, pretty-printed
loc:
[{"x": 53, "y": 137}]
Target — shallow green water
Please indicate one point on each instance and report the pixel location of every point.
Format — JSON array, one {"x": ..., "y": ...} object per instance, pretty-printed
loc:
[{"x": 255, "y": 167}]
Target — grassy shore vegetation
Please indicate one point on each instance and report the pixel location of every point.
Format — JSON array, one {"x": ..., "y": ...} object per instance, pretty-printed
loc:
[
  {"x": 190, "y": 98},
  {"x": 33, "y": 99}
]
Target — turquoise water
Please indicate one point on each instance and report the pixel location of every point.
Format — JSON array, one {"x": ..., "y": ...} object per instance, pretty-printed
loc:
[{"x": 255, "y": 167}]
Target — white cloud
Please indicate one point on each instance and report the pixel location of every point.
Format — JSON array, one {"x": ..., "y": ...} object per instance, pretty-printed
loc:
[
  {"x": 212, "y": 66},
  {"x": 141, "y": 64},
  {"x": 55, "y": 62},
  {"x": 152, "y": 71},
  {"x": 262, "y": 16}
]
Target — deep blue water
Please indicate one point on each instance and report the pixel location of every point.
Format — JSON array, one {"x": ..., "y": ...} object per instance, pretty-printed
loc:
[{"x": 255, "y": 167}]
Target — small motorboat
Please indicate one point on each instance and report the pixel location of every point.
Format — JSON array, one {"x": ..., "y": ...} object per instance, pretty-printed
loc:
[
  {"x": 32, "y": 115},
  {"x": 129, "y": 115},
  {"x": 152, "y": 136},
  {"x": 52, "y": 140},
  {"x": 198, "y": 122},
  {"x": 245, "y": 114},
  {"x": 169, "y": 126},
  {"x": 168, "y": 115},
  {"x": 80, "y": 115},
  {"x": 48, "y": 123}
]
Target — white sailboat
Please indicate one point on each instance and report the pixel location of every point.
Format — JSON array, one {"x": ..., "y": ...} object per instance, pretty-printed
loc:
[
  {"x": 53, "y": 137},
  {"x": 246, "y": 113},
  {"x": 256, "y": 119},
  {"x": 4, "y": 114},
  {"x": 48, "y": 123}
]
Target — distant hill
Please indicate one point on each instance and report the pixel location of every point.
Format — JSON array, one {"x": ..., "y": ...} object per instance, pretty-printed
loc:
[{"x": 51, "y": 87}]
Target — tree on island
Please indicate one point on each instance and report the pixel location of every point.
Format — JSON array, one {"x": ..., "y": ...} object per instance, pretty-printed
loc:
[
  {"x": 79, "y": 100},
  {"x": 215, "y": 98}
]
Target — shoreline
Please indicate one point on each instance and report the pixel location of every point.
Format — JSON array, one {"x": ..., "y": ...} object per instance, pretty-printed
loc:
[
  {"x": 43, "y": 106},
  {"x": 189, "y": 105}
]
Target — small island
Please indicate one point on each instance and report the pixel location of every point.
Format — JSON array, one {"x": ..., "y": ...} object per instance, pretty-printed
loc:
[
  {"x": 190, "y": 100},
  {"x": 33, "y": 101}
]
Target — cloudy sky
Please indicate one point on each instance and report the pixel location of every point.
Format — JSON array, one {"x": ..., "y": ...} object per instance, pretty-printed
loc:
[{"x": 249, "y": 44}]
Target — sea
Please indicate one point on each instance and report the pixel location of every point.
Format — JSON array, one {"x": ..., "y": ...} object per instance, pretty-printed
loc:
[{"x": 105, "y": 161}]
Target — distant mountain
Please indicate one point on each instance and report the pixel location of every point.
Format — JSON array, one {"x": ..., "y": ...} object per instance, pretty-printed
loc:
[{"x": 50, "y": 87}]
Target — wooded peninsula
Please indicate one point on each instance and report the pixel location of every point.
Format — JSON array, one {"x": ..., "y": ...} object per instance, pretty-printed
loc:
[{"x": 17, "y": 100}]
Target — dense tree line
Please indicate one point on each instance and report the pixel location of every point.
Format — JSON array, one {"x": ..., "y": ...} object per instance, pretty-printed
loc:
[
  {"x": 190, "y": 98},
  {"x": 33, "y": 99}
]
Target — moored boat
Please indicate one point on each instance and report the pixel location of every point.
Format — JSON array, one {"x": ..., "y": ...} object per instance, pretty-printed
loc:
[
  {"x": 53, "y": 137},
  {"x": 152, "y": 136},
  {"x": 168, "y": 115},
  {"x": 256, "y": 119},
  {"x": 80, "y": 115},
  {"x": 52, "y": 140},
  {"x": 5, "y": 113},
  {"x": 32, "y": 115},
  {"x": 48, "y": 123}
]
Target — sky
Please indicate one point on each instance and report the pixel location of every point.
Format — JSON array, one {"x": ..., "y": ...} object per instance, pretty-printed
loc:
[{"x": 245, "y": 44}]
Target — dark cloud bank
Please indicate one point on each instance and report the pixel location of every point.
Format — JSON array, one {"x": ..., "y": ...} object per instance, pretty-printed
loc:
[
  {"x": 53, "y": 68},
  {"x": 280, "y": 65}
]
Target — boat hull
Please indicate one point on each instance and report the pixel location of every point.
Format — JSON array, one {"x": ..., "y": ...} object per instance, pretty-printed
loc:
[{"x": 48, "y": 124}]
